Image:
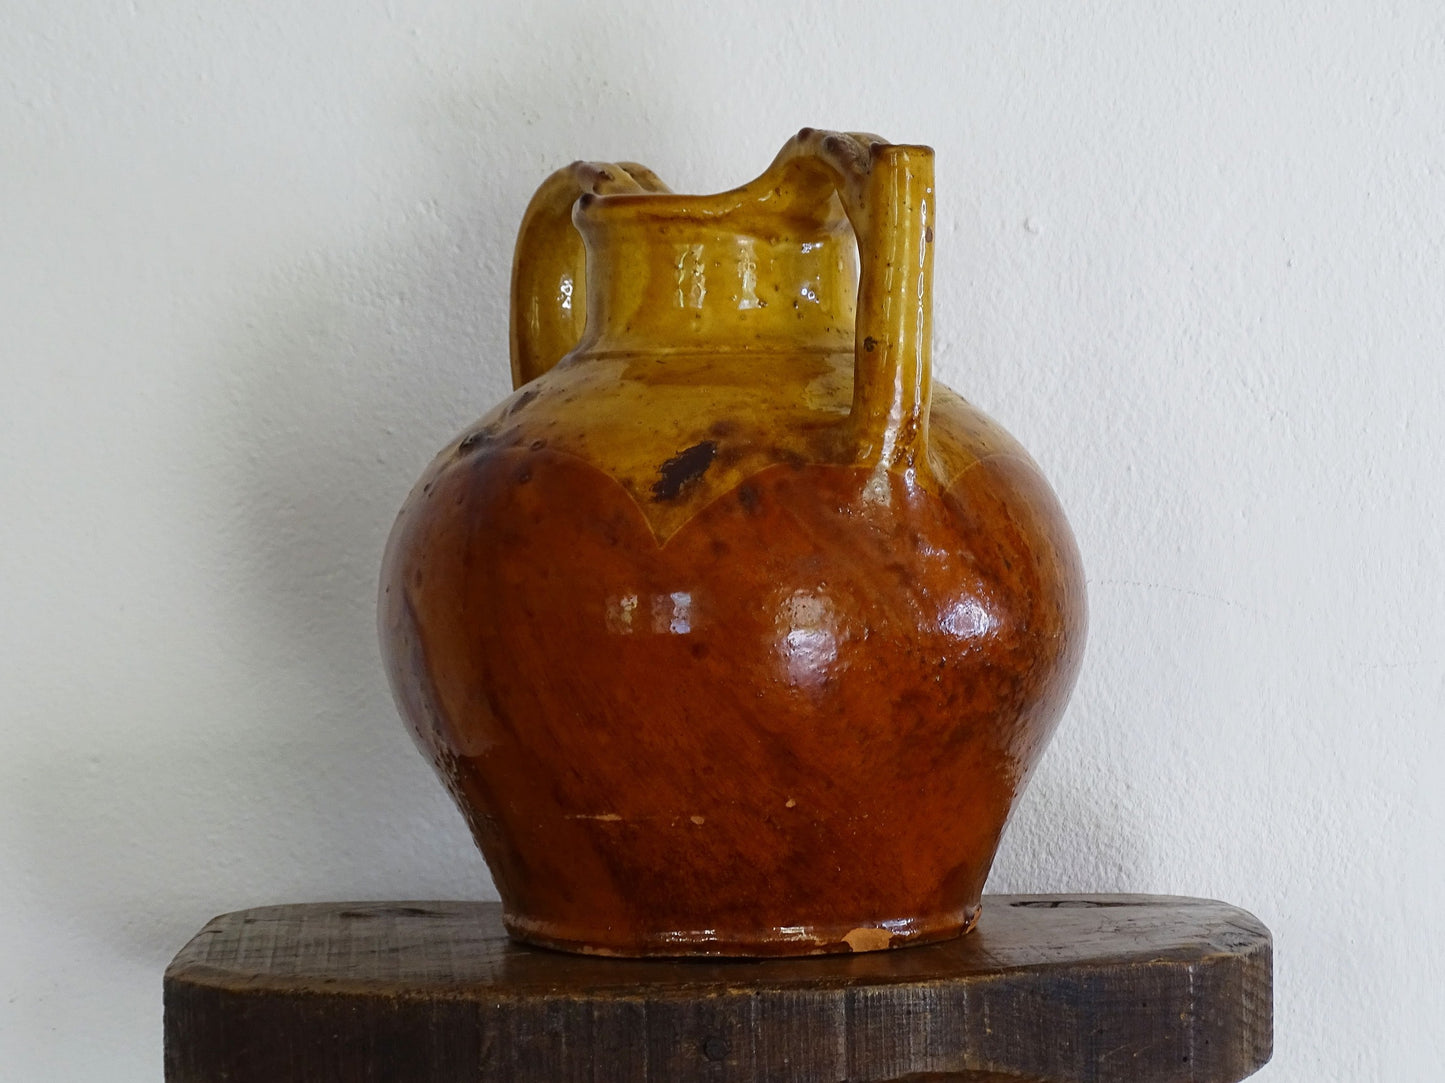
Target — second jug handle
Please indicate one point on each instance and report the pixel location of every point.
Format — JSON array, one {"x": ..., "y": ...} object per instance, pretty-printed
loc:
[{"x": 549, "y": 267}]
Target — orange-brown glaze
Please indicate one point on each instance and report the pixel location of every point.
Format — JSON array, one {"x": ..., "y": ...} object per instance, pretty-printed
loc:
[{"x": 709, "y": 670}]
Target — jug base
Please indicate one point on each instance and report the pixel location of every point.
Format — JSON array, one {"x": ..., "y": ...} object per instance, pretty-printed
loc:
[{"x": 774, "y": 941}]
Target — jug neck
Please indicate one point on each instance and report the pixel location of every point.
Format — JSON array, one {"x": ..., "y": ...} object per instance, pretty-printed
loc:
[{"x": 665, "y": 275}]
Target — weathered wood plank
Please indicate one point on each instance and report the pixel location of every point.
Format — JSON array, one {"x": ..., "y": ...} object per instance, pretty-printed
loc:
[{"x": 1049, "y": 989}]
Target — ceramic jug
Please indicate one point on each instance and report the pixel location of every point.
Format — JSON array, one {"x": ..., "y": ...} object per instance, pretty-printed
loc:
[{"x": 730, "y": 632}]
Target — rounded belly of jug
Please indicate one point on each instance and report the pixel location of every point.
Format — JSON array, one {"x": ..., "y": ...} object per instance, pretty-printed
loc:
[{"x": 797, "y": 724}]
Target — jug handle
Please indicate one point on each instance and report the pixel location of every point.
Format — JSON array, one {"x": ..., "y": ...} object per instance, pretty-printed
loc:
[
  {"x": 886, "y": 190},
  {"x": 549, "y": 267}
]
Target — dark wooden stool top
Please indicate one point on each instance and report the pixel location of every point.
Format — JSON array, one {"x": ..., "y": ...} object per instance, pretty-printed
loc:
[{"x": 1058, "y": 989}]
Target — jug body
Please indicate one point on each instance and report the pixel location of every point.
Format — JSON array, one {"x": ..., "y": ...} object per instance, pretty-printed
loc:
[{"x": 730, "y": 633}]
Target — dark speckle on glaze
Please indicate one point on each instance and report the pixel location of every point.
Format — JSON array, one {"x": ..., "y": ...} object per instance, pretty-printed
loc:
[
  {"x": 522, "y": 401},
  {"x": 683, "y": 469},
  {"x": 477, "y": 438}
]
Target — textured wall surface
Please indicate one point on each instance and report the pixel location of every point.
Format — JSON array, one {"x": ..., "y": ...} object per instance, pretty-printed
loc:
[{"x": 253, "y": 266}]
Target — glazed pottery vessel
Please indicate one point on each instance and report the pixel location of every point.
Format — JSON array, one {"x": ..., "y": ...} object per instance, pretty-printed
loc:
[{"x": 730, "y": 632}]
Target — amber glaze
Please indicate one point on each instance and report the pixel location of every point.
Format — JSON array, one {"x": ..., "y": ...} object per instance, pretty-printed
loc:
[{"x": 728, "y": 631}]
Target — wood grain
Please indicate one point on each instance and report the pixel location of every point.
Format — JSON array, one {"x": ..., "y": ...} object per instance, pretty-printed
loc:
[{"x": 1048, "y": 989}]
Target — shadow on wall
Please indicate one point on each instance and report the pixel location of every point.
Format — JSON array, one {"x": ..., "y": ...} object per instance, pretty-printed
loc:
[{"x": 1071, "y": 831}]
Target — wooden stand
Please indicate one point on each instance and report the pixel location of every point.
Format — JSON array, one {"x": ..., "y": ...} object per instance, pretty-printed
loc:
[{"x": 1048, "y": 989}]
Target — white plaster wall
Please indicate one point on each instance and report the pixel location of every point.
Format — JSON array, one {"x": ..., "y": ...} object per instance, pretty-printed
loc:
[{"x": 253, "y": 268}]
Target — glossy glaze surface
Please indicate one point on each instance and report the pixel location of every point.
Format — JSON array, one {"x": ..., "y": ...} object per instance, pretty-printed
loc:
[{"x": 729, "y": 633}]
